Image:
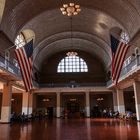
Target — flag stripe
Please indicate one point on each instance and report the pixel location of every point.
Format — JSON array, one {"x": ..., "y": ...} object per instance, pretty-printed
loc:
[
  {"x": 115, "y": 57},
  {"x": 22, "y": 69},
  {"x": 119, "y": 51},
  {"x": 118, "y": 58},
  {"x": 123, "y": 58},
  {"x": 27, "y": 65},
  {"x": 24, "y": 55}
]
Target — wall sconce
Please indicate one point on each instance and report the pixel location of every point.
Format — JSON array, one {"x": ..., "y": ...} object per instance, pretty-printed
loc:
[
  {"x": 73, "y": 99},
  {"x": 46, "y": 100},
  {"x": 100, "y": 99}
]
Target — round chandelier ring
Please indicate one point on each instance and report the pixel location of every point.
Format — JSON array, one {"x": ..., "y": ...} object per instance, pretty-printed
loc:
[{"x": 70, "y": 9}]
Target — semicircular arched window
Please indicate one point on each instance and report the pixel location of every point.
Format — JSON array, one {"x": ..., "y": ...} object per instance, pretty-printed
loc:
[
  {"x": 124, "y": 37},
  {"x": 72, "y": 64},
  {"x": 20, "y": 40}
]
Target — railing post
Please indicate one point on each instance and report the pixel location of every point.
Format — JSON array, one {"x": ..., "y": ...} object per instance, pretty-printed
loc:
[
  {"x": 8, "y": 65},
  {"x": 7, "y": 58}
]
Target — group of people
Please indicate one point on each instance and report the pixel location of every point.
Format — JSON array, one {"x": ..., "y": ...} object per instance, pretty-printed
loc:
[
  {"x": 128, "y": 115},
  {"x": 38, "y": 115},
  {"x": 110, "y": 113},
  {"x": 18, "y": 117},
  {"x": 106, "y": 113}
]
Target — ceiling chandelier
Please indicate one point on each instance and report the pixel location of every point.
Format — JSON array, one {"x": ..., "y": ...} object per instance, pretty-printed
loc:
[
  {"x": 71, "y": 53},
  {"x": 70, "y": 9}
]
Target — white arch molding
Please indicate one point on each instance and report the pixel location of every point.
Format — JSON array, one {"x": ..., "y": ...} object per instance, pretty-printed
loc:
[{"x": 2, "y": 5}]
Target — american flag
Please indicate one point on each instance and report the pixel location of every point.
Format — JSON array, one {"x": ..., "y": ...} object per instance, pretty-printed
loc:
[
  {"x": 119, "y": 50},
  {"x": 24, "y": 58}
]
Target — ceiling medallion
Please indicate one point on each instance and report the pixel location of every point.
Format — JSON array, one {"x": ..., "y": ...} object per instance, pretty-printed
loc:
[{"x": 70, "y": 9}]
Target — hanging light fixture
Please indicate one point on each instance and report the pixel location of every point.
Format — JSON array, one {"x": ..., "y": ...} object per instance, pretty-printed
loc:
[
  {"x": 70, "y": 10},
  {"x": 71, "y": 53}
]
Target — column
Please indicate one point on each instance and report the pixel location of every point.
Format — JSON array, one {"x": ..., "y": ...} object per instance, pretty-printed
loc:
[
  {"x": 115, "y": 100},
  {"x": 30, "y": 97},
  {"x": 120, "y": 101},
  {"x": 58, "y": 108},
  {"x": 6, "y": 103},
  {"x": 87, "y": 104},
  {"x": 25, "y": 102},
  {"x": 136, "y": 86}
]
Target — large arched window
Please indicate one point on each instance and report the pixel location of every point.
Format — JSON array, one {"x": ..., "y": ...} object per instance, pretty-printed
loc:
[
  {"x": 72, "y": 64},
  {"x": 124, "y": 37},
  {"x": 20, "y": 40}
]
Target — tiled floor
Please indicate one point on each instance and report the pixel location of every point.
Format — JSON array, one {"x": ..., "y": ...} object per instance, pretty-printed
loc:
[{"x": 72, "y": 129}]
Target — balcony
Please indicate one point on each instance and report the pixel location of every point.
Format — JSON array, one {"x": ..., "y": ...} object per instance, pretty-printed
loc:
[
  {"x": 130, "y": 69},
  {"x": 8, "y": 70},
  {"x": 71, "y": 85}
]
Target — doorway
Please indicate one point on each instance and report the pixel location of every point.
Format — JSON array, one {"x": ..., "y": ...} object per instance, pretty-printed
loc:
[
  {"x": 50, "y": 112},
  {"x": 73, "y": 108},
  {"x": 73, "y": 104}
]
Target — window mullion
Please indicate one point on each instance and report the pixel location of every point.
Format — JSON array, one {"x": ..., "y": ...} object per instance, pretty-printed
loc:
[{"x": 72, "y": 64}]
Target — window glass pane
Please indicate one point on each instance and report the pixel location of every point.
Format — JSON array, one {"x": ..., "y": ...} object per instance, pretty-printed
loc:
[
  {"x": 78, "y": 70},
  {"x": 20, "y": 41},
  {"x": 86, "y": 70},
  {"x": 124, "y": 37},
  {"x": 71, "y": 67},
  {"x": 72, "y": 64}
]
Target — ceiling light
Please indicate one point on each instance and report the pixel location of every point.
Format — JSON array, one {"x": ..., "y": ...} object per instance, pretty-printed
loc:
[
  {"x": 77, "y": 6},
  {"x": 46, "y": 100},
  {"x": 65, "y": 5},
  {"x": 70, "y": 9},
  {"x": 133, "y": 97},
  {"x": 73, "y": 99},
  {"x": 100, "y": 99},
  {"x": 71, "y": 53}
]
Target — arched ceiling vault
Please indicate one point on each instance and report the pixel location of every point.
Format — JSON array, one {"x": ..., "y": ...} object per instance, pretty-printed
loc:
[
  {"x": 91, "y": 28},
  {"x": 78, "y": 44},
  {"x": 82, "y": 41},
  {"x": 22, "y": 11}
]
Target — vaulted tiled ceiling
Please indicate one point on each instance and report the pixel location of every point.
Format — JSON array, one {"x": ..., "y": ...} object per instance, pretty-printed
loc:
[{"x": 91, "y": 28}]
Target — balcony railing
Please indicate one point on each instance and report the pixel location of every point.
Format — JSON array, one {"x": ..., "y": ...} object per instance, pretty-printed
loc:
[
  {"x": 133, "y": 65},
  {"x": 72, "y": 85},
  {"x": 9, "y": 66}
]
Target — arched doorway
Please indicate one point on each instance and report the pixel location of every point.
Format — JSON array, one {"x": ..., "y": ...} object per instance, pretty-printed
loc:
[
  {"x": 73, "y": 108},
  {"x": 73, "y": 104}
]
